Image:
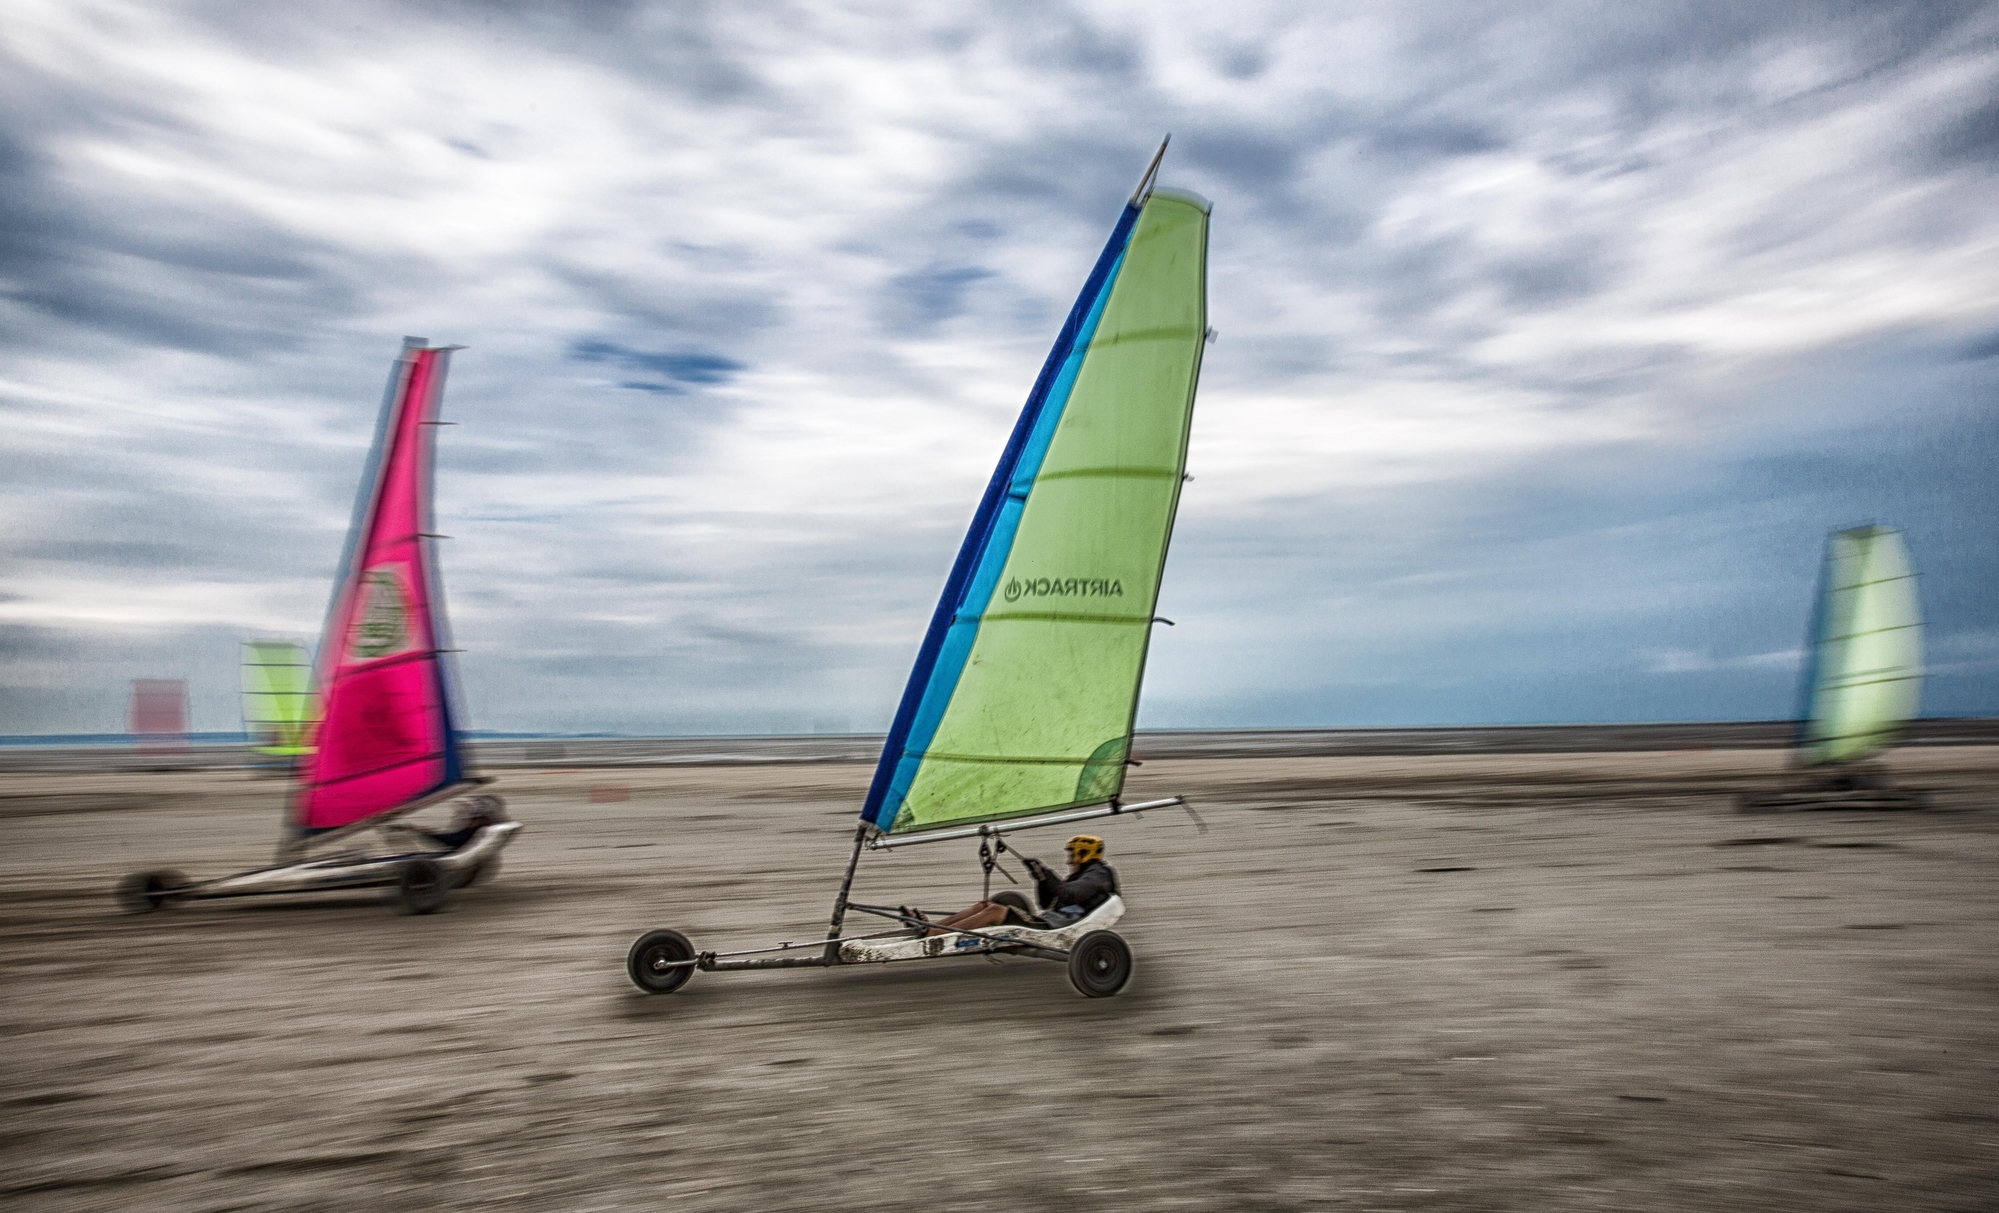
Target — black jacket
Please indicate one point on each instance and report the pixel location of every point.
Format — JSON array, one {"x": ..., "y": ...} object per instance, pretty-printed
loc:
[
  {"x": 450, "y": 840},
  {"x": 1089, "y": 888}
]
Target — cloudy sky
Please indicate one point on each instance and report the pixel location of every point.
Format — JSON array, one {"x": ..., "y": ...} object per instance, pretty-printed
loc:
[{"x": 1553, "y": 339}]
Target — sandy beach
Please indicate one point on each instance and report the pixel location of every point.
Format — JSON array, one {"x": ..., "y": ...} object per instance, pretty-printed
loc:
[{"x": 1532, "y": 982}]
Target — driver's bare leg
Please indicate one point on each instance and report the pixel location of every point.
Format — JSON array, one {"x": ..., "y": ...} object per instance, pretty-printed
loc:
[{"x": 983, "y": 914}]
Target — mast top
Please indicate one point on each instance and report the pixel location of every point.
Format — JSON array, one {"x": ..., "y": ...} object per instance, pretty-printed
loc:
[{"x": 1144, "y": 190}]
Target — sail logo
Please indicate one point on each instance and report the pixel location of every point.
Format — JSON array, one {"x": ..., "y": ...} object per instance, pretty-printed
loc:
[
  {"x": 382, "y": 619},
  {"x": 1063, "y": 587}
]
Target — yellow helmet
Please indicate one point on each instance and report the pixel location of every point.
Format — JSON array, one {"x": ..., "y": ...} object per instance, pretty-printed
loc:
[{"x": 1085, "y": 847}]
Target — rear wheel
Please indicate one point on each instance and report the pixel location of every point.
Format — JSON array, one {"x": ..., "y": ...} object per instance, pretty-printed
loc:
[
  {"x": 1099, "y": 964},
  {"x": 657, "y": 962},
  {"x": 421, "y": 886},
  {"x": 144, "y": 892}
]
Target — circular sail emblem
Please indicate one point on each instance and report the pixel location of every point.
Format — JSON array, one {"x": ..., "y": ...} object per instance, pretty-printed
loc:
[{"x": 382, "y": 623}]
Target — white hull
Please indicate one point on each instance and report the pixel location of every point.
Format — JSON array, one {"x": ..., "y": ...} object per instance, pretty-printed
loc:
[{"x": 352, "y": 871}]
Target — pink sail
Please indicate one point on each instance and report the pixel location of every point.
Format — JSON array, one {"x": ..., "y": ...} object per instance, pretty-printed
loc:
[{"x": 386, "y": 741}]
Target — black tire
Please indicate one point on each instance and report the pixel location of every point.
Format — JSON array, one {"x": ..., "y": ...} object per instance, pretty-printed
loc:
[
  {"x": 1099, "y": 964},
  {"x": 421, "y": 886},
  {"x": 656, "y": 948},
  {"x": 486, "y": 872},
  {"x": 144, "y": 892}
]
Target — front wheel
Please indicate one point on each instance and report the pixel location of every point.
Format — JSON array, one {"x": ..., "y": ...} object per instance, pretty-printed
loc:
[
  {"x": 1099, "y": 964},
  {"x": 144, "y": 892},
  {"x": 659, "y": 963},
  {"x": 421, "y": 886}
]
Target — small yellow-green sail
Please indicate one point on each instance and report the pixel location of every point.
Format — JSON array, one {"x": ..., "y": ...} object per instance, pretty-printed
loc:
[
  {"x": 1865, "y": 676},
  {"x": 279, "y": 708}
]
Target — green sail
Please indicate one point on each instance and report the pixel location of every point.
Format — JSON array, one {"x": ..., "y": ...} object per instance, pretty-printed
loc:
[
  {"x": 1037, "y": 712},
  {"x": 1866, "y": 673},
  {"x": 279, "y": 708}
]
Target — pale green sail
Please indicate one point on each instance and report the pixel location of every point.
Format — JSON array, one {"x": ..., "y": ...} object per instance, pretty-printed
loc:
[
  {"x": 1030, "y": 703},
  {"x": 1866, "y": 673},
  {"x": 279, "y": 708}
]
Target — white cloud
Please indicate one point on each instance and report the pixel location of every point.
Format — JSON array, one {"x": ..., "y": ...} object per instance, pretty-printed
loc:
[{"x": 1510, "y": 300}]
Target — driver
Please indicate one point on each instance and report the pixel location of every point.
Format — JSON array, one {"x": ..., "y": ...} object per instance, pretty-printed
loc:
[
  {"x": 1064, "y": 902},
  {"x": 467, "y": 819}
]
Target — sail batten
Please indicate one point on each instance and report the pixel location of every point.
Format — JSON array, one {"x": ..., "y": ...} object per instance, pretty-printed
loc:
[
  {"x": 1864, "y": 679},
  {"x": 387, "y": 741},
  {"x": 1052, "y": 617},
  {"x": 1001, "y": 722}
]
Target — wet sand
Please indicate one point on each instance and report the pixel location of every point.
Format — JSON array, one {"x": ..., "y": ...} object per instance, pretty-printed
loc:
[{"x": 1529, "y": 982}]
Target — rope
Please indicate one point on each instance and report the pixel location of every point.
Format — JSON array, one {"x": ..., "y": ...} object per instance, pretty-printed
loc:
[{"x": 991, "y": 847}]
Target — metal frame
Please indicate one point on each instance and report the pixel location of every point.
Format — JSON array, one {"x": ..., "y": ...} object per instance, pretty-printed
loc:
[
  {"x": 294, "y": 846},
  {"x": 1854, "y": 783},
  {"x": 872, "y": 837},
  {"x": 883, "y": 842},
  {"x": 825, "y": 954},
  {"x": 337, "y": 872}
]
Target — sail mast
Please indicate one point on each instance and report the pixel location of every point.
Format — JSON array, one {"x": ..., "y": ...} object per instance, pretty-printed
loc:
[{"x": 1144, "y": 190}]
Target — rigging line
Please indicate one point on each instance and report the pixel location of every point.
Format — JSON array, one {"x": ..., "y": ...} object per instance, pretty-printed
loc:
[{"x": 991, "y": 847}]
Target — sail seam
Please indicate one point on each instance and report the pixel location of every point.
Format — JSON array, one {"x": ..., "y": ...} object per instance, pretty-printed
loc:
[
  {"x": 1024, "y": 760},
  {"x": 1165, "y": 334},
  {"x": 1048, "y": 617},
  {"x": 432, "y": 756},
  {"x": 1899, "y": 627},
  {"x": 1109, "y": 474},
  {"x": 385, "y": 663},
  {"x": 1855, "y": 585}
]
